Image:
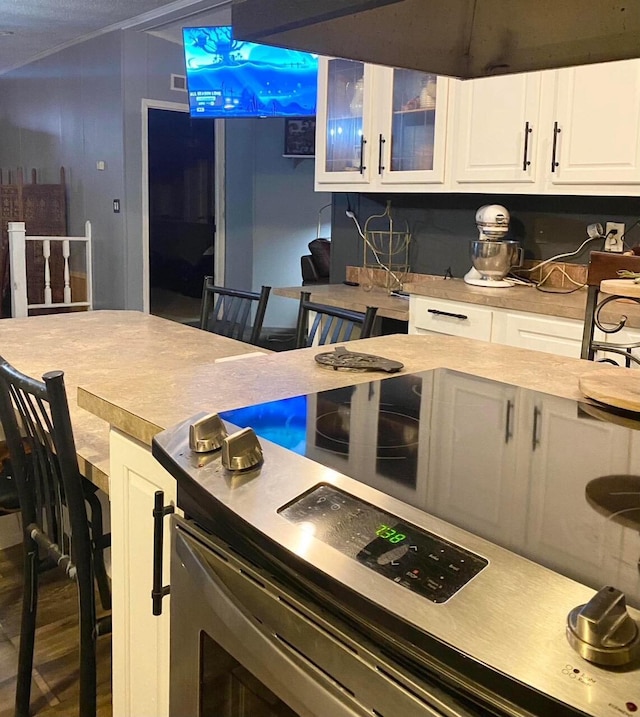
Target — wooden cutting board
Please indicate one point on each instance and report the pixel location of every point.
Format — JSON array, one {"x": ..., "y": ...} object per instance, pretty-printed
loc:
[
  {"x": 613, "y": 388},
  {"x": 621, "y": 287}
]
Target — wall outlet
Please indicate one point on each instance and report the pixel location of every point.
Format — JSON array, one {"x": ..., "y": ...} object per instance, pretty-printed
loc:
[{"x": 614, "y": 242}]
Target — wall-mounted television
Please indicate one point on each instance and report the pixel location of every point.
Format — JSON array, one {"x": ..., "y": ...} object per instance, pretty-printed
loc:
[{"x": 233, "y": 78}]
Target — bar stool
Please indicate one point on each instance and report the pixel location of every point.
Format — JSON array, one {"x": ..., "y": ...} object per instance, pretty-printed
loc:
[
  {"x": 331, "y": 324},
  {"x": 604, "y": 288},
  {"x": 228, "y": 311},
  {"x": 61, "y": 519}
]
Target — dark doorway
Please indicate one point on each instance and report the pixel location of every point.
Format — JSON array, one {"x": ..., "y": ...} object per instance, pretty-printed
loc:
[{"x": 181, "y": 212}]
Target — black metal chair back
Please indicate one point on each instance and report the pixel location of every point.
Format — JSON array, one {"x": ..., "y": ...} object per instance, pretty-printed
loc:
[
  {"x": 606, "y": 265},
  {"x": 228, "y": 311},
  {"x": 331, "y": 324},
  {"x": 61, "y": 518}
]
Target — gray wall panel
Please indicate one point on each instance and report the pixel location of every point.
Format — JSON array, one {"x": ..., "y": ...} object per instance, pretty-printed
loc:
[
  {"x": 84, "y": 104},
  {"x": 285, "y": 217},
  {"x": 65, "y": 110},
  {"x": 240, "y": 220}
]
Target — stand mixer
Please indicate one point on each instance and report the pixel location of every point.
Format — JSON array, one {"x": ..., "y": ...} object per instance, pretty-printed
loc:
[{"x": 492, "y": 255}]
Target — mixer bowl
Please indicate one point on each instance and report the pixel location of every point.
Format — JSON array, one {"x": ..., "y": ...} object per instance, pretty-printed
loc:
[{"x": 494, "y": 259}]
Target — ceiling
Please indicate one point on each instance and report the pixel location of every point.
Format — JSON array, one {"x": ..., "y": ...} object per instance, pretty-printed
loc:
[{"x": 35, "y": 28}]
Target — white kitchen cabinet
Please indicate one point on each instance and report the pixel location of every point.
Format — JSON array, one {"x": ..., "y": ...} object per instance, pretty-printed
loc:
[
  {"x": 497, "y": 128},
  {"x": 343, "y": 128},
  {"x": 570, "y": 448},
  {"x": 554, "y": 335},
  {"x": 550, "y": 334},
  {"x": 597, "y": 110},
  {"x": 455, "y": 318},
  {"x": 553, "y": 132},
  {"x": 471, "y": 470},
  {"x": 379, "y": 128},
  {"x": 140, "y": 644}
]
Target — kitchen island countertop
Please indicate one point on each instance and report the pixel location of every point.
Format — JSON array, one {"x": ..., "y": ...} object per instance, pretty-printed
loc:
[
  {"x": 98, "y": 347},
  {"x": 141, "y": 374},
  {"x": 141, "y": 405}
]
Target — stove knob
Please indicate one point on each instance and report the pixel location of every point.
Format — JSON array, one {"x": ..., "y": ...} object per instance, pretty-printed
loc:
[
  {"x": 602, "y": 631},
  {"x": 241, "y": 450},
  {"x": 207, "y": 434}
]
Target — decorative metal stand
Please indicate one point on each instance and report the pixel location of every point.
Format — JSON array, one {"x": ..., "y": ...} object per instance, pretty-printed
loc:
[
  {"x": 623, "y": 349},
  {"x": 387, "y": 248}
]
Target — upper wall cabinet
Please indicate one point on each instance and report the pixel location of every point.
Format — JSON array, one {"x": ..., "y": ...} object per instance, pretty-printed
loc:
[
  {"x": 379, "y": 129},
  {"x": 497, "y": 131},
  {"x": 597, "y": 138},
  {"x": 554, "y": 132}
]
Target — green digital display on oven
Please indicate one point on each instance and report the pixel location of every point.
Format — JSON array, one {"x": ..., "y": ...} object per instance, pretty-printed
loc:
[{"x": 386, "y": 532}]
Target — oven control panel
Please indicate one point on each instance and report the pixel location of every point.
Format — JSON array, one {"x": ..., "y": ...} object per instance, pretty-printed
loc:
[{"x": 408, "y": 555}]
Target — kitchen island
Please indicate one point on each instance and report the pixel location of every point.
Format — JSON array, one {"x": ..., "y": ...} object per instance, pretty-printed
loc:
[
  {"x": 136, "y": 375},
  {"x": 137, "y": 405}
]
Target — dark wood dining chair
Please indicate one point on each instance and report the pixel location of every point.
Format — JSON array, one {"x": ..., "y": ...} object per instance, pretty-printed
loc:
[
  {"x": 606, "y": 265},
  {"x": 331, "y": 324},
  {"x": 61, "y": 519},
  {"x": 228, "y": 312}
]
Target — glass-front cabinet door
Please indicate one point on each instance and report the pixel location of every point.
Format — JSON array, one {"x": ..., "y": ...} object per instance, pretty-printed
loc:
[
  {"x": 343, "y": 122},
  {"x": 412, "y": 126},
  {"x": 379, "y": 126}
]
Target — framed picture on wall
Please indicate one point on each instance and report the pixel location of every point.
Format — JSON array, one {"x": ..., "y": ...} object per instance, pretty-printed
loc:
[{"x": 299, "y": 137}]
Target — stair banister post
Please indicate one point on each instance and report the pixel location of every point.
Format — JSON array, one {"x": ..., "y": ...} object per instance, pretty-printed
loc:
[{"x": 18, "y": 268}]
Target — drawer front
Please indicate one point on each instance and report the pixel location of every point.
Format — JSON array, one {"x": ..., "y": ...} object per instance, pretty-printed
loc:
[
  {"x": 555, "y": 335},
  {"x": 449, "y": 317}
]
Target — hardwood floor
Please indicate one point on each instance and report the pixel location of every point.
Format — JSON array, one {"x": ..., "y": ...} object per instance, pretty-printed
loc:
[{"x": 55, "y": 676}]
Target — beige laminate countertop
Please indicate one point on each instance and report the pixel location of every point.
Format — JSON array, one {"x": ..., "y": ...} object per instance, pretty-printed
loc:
[
  {"x": 142, "y": 374},
  {"x": 97, "y": 348},
  {"x": 517, "y": 298},
  {"x": 142, "y": 403},
  {"x": 351, "y": 297}
]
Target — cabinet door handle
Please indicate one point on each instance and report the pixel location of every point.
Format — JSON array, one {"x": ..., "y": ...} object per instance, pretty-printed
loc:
[
  {"x": 160, "y": 510},
  {"x": 525, "y": 161},
  {"x": 508, "y": 430},
  {"x": 537, "y": 415},
  {"x": 556, "y": 132},
  {"x": 381, "y": 141},
  {"x": 363, "y": 141},
  {"x": 437, "y": 312}
]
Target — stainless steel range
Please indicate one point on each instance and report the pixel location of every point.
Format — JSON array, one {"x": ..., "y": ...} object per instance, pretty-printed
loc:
[{"x": 424, "y": 544}]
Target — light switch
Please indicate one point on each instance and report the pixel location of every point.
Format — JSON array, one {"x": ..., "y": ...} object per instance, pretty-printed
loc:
[
  {"x": 101, "y": 165},
  {"x": 116, "y": 206}
]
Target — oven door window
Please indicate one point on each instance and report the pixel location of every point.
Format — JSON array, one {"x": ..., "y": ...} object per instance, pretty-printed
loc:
[{"x": 227, "y": 689}]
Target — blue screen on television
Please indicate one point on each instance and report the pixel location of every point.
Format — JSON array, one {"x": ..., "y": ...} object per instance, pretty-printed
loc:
[{"x": 234, "y": 78}]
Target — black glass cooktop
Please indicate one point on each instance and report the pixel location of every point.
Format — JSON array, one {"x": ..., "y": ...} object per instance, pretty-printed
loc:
[{"x": 555, "y": 480}]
